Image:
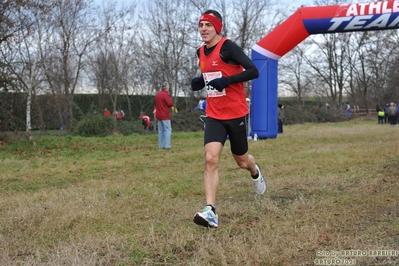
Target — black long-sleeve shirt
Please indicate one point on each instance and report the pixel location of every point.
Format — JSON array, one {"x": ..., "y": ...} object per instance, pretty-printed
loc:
[{"x": 232, "y": 54}]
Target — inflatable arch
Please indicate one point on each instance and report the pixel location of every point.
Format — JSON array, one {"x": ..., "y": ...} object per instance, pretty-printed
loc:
[{"x": 296, "y": 28}]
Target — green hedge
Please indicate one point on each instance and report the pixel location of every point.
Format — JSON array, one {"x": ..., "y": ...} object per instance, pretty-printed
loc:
[
  {"x": 88, "y": 108},
  {"x": 13, "y": 109}
]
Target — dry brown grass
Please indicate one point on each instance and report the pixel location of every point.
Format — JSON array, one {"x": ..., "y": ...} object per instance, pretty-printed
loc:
[{"x": 122, "y": 201}]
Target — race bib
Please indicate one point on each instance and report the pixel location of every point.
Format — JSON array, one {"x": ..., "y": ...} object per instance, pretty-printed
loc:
[{"x": 211, "y": 91}]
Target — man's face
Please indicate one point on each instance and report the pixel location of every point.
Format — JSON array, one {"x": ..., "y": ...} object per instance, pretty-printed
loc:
[{"x": 207, "y": 31}]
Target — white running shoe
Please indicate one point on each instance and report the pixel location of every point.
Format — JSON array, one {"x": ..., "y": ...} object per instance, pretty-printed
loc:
[
  {"x": 206, "y": 218},
  {"x": 260, "y": 182}
]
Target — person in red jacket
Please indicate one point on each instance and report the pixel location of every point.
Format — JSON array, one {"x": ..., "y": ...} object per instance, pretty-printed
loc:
[
  {"x": 107, "y": 112},
  {"x": 145, "y": 120},
  {"x": 163, "y": 103},
  {"x": 222, "y": 63},
  {"x": 119, "y": 115}
]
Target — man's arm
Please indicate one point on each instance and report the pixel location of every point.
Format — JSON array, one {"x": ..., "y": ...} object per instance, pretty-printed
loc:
[
  {"x": 169, "y": 101},
  {"x": 232, "y": 54}
]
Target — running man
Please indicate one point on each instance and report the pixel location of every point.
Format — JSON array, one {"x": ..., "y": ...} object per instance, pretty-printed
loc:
[{"x": 222, "y": 63}]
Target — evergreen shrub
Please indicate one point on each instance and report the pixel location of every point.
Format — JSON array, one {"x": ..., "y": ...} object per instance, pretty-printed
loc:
[{"x": 94, "y": 125}]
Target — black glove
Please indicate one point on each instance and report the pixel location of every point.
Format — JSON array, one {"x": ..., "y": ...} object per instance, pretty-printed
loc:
[
  {"x": 219, "y": 83},
  {"x": 197, "y": 83}
]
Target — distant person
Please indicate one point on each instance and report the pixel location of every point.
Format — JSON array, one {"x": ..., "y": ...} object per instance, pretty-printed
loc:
[
  {"x": 392, "y": 114},
  {"x": 163, "y": 104},
  {"x": 118, "y": 115},
  {"x": 281, "y": 118},
  {"x": 107, "y": 112},
  {"x": 123, "y": 114},
  {"x": 377, "y": 108},
  {"x": 397, "y": 113},
  {"x": 386, "y": 110},
  {"x": 356, "y": 108},
  {"x": 380, "y": 114},
  {"x": 63, "y": 115},
  {"x": 174, "y": 110},
  {"x": 145, "y": 120},
  {"x": 201, "y": 105},
  {"x": 348, "y": 109}
]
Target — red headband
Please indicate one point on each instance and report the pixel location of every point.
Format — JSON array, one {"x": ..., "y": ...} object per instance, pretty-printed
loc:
[{"x": 214, "y": 20}]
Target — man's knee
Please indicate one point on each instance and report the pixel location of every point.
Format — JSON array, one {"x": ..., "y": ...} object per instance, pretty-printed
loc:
[
  {"x": 211, "y": 160},
  {"x": 244, "y": 161},
  {"x": 243, "y": 164}
]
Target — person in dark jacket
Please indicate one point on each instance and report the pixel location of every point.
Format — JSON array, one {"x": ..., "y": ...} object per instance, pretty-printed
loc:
[
  {"x": 386, "y": 110},
  {"x": 392, "y": 114},
  {"x": 281, "y": 118}
]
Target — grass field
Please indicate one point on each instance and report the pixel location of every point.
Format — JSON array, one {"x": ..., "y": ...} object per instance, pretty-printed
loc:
[{"x": 332, "y": 190}]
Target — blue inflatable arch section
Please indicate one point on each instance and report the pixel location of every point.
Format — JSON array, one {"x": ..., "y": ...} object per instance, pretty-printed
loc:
[{"x": 304, "y": 22}]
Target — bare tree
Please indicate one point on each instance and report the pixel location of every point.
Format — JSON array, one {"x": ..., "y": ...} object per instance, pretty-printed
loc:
[
  {"x": 112, "y": 60},
  {"x": 168, "y": 41},
  {"x": 359, "y": 83},
  {"x": 382, "y": 66},
  {"x": 293, "y": 71},
  {"x": 21, "y": 52},
  {"x": 75, "y": 30},
  {"x": 371, "y": 61},
  {"x": 10, "y": 23},
  {"x": 329, "y": 65}
]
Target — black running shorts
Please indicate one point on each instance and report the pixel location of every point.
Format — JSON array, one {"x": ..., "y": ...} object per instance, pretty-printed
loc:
[{"x": 234, "y": 129}]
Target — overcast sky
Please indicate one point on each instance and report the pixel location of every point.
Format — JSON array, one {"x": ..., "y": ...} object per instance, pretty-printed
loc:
[
  {"x": 298, "y": 3},
  {"x": 290, "y": 4}
]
